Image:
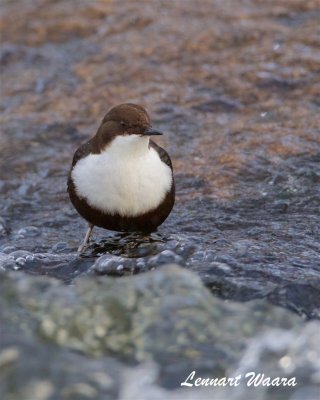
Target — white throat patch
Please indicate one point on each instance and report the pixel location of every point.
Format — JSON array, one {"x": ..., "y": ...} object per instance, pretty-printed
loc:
[{"x": 127, "y": 178}]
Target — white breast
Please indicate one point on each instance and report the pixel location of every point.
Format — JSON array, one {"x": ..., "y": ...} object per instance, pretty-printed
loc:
[{"x": 127, "y": 178}]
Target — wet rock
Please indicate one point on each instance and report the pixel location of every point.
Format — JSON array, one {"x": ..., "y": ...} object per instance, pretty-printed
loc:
[
  {"x": 250, "y": 149},
  {"x": 25, "y": 189},
  {"x": 61, "y": 265},
  {"x": 167, "y": 113},
  {"x": 165, "y": 257},
  {"x": 281, "y": 206},
  {"x": 279, "y": 353},
  {"x": 10, "y": 54},
  {"x": 165, "y": 316},
  {"x": 28, "y": 231},
  {"x": 302, "y": 298},
  {"x": 3, "y": 228},
  {"x": 60, "y": 247},
  {"x": 40, "y": 371},
  {"x": 7, "y": 249},
  {"x": 218, "y": 105},
  {"x": 68, "y": 130},
  {"x": 140, "y": 257},
  {"x": 20, "y": 258},
  {"x": 132, "y": 313},
  {"x": 114, "y": 265},
  {"x": 280, "y": 84},
  {"x": 296, "y": 19},
  {"x": 6, "y": 262}
]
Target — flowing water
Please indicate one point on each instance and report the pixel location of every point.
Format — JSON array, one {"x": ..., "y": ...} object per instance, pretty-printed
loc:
[{"x": 237, "y": 94}]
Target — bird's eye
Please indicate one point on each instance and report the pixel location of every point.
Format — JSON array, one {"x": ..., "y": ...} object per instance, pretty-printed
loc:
[{"x": 122, "y": 123}]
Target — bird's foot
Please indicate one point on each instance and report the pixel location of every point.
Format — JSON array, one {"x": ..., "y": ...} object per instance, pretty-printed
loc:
[{"x": 85, "y": 242}]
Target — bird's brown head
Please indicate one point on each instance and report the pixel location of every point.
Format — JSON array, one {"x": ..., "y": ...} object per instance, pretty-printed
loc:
[{"x": 122, "y": 120}]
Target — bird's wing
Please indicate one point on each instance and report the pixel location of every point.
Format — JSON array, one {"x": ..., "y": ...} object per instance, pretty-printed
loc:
[
  {"x": 82, "y": 151},
  {"x": 164, "y": 156}
]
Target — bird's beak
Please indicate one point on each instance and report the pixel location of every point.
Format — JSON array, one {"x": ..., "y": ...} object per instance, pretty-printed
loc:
[{"x": 151, "y": 132}]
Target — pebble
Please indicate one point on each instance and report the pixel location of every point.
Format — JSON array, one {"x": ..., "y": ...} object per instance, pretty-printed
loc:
[
  {"x": 6, "y": 263},
  {"x": 7, "y": 249},
  {"x": 165, "y": 257},
  {"x": 113, "y": 265},
  {"x": 28, "y": 231},
  {"x": 20, "y": 254},
  {"x": 60, "y": 247}
]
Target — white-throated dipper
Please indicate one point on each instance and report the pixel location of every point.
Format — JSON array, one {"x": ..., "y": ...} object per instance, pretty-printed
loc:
[{"x": 120, "y": 179}]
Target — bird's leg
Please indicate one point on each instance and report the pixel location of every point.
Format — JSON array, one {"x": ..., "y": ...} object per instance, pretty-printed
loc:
[{"x": 86, "y": 239}]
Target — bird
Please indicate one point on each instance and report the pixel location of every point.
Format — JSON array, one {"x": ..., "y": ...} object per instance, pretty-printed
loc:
[{"x": 120, "y": 179}]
